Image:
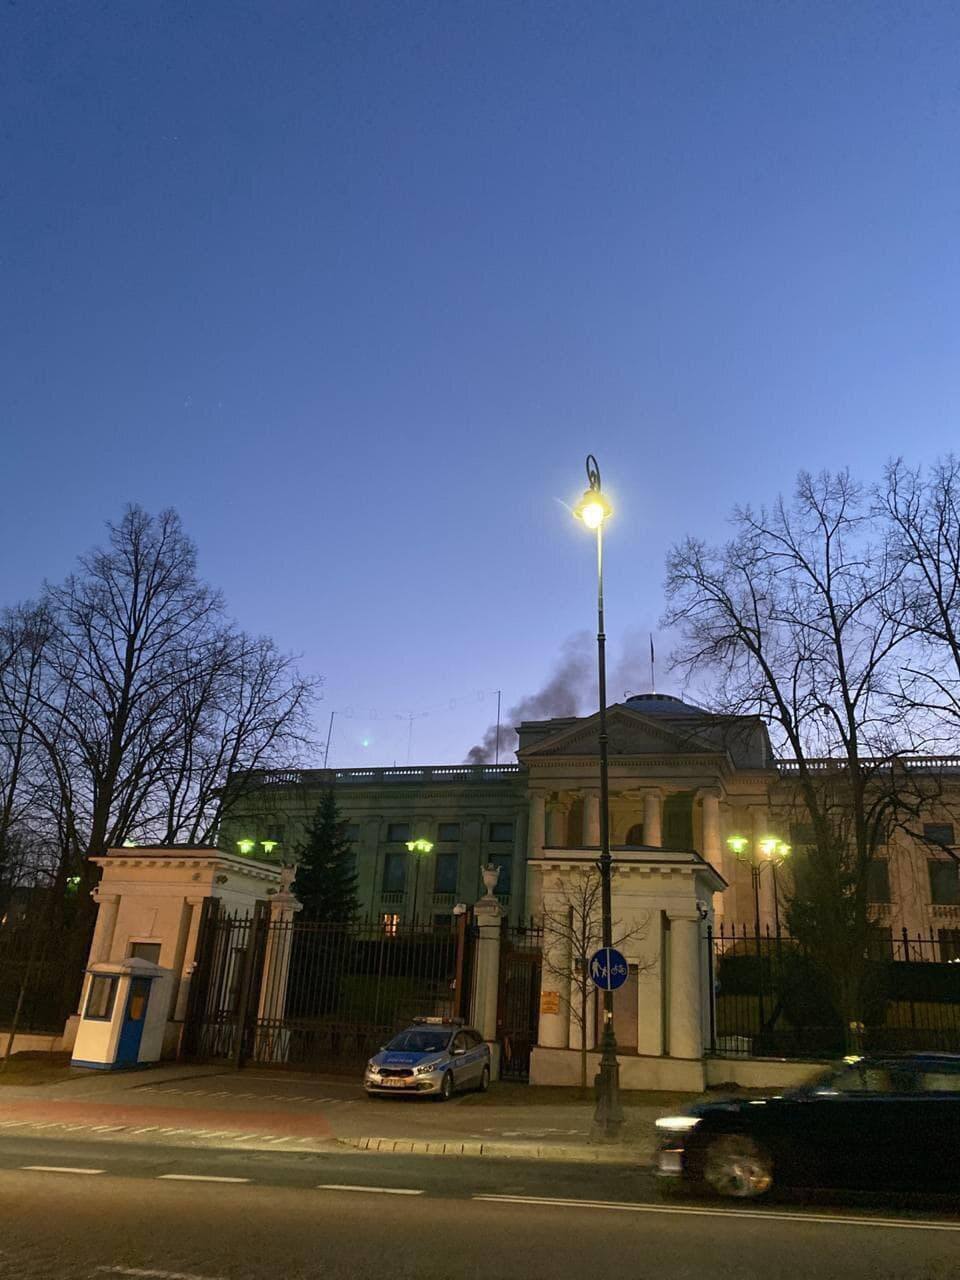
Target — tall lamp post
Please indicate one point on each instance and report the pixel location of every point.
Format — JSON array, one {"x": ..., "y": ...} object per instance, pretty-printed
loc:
[
  {"x": 418, "y": 847},
  {"x": 593, "y": 509}
]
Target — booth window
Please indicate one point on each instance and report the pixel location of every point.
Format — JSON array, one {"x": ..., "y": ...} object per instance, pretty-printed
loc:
[{"x": 103, "y": 992}]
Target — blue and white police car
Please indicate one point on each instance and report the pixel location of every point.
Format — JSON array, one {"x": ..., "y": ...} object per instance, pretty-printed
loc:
[{"x": 435, "y": 1057}]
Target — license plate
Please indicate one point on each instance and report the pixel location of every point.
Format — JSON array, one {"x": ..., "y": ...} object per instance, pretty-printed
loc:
[{"x": 394, "y": 1084}]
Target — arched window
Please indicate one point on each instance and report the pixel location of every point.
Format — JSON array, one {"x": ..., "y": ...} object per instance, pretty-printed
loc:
[{"x": 635, "y": 834}]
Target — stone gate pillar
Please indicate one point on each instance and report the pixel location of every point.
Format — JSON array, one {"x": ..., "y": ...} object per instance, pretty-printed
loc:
[
  {"x": 487, "y": 914},
  {"x": 273, "y": 1036}
]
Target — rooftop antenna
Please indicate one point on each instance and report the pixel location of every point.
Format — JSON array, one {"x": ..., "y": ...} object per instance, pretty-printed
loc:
[
  {"x": 497, "y": 754},
  {"x": 326, "y": 750}
]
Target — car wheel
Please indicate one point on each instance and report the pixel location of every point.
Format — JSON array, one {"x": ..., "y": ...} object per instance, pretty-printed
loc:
[
  {"x": 446, "y": 1088},
  {"x": 484, "y": 1080},
  {"x": 737, "y": 1165}
]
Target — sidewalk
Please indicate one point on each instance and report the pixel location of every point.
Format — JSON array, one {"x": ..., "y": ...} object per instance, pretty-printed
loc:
[{"x": 211, "y": 1106}]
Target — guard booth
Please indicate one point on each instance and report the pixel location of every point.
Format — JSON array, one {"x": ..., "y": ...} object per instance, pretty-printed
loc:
[{"x": 123, "y": 1016}]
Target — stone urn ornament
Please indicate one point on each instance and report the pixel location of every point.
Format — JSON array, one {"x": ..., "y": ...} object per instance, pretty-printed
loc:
[{"x": 491, "y": 875}]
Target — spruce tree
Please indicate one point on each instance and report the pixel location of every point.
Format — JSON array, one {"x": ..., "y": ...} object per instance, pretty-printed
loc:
[{"x": 326, "y": 881}]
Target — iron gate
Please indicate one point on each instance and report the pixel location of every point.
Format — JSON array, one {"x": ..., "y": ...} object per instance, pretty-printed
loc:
[
  {"x": 321, "y": 997},
  {"x": 518, "y": 1005}
]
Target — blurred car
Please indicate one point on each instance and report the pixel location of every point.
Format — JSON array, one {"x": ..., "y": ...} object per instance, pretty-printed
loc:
[
  {"x": 433, "y": 1057},
  {"x": 883, "y": 1123}
]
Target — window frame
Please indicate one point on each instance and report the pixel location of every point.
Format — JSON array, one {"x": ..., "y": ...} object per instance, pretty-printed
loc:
[
  {"x": 112, "y": 981},
  {"x": 397, "y": 826},
  {"x": 495, "y": 839}
]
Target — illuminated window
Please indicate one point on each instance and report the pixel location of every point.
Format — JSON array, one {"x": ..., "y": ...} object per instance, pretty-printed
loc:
[
  {"x": 103, "y": 992},
  {"x": 391, "y": 923}
]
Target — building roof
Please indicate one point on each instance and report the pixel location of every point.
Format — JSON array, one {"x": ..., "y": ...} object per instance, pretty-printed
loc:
[{"x": 662, "y": 704}]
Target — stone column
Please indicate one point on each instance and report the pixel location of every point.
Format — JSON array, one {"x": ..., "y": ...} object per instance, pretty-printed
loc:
[
  {"x": 686, "y": 987},
  {"x": 194, "y": 906},
  {"x": 273, "y": 1039},
  {"x": 652, "y": 800},
  {"x": 536, "y": 838},
  {"x": 712, "y": 848},
  {"x": 108, "y": 904},
  {"x": 556, "y": 824},
  {"x": 486, "y": 975},
  {"x": 591, "y": 819}
]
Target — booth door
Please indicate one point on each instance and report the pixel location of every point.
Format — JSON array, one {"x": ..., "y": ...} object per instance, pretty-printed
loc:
[{"x": 131, "y": 1033}]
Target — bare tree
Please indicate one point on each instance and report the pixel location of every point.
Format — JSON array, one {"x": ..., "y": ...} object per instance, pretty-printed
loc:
[
  {"x": 802, "y": 617},
  {"x": 135, "y": 699},
  {"x": 572, "y": 933}
]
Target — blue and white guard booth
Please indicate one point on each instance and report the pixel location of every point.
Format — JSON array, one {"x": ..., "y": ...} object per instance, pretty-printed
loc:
[{"x": 123, "y": 1015}]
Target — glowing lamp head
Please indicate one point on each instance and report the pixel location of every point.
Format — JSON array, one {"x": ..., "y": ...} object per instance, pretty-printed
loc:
[
  {"x": 783, "y": 850},
  {"x": 593, "y": 509},
  {"x": 768, "y": 846},
  {"x": 268, "y": 846},
  {"x": 737, "y": 844},
  {"x": 420, "y": 846},
  {"x": 246, "y": 846}
]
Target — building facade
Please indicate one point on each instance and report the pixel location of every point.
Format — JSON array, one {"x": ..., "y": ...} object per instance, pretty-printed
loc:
[{"x": 681, "y": 780}]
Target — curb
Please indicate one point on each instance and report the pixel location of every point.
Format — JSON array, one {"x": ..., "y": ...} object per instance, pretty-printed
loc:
[{"x": 500, "y": 1150}]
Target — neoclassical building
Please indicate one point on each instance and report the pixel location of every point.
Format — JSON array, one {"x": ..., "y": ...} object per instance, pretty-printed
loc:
[{"x": 682, "y": 780}]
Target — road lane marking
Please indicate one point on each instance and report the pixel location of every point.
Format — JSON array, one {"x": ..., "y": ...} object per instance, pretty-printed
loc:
[
  {"x": 901, "y": 1224},
  {"x": 147, "y": 1273},
  {"x": 56, "y": 1168},
  {"x": 150, "y": 1128},
  {"x": 197, "y": 1177},
  {"x": 382, "y": 1191}
]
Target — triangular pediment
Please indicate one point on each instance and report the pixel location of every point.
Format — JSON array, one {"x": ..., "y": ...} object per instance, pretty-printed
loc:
[{"x": 628, "y": 733}]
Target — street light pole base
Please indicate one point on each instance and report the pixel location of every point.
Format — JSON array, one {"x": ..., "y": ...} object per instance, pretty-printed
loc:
[{"x": 608, "y": 1116}]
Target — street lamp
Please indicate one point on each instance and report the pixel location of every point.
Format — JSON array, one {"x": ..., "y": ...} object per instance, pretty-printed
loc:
[
  {"x": 593, "y": 509},
  {"x": 418, "y": 847},
  {"x": 246, "y": 847}
]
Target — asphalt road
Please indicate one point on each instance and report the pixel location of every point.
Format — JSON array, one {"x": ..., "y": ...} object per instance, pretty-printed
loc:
[{"x": 91, "y": 1209}]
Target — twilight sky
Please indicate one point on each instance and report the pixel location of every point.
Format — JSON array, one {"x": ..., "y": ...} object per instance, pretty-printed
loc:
[{"x": 356, "y": 286}]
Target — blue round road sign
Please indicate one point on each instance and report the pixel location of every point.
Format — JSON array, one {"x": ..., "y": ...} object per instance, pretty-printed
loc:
[{"x": 608, "y": 969}]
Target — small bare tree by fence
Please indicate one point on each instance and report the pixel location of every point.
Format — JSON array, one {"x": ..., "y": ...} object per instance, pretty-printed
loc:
[{"x": 572, "y": 932}]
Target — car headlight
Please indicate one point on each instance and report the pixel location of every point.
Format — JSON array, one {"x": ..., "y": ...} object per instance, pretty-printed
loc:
[
  {"x": 373, "y": 1066},
  {"x": 677, "y": 1124},
  {"x": 425, "y": 1068}
]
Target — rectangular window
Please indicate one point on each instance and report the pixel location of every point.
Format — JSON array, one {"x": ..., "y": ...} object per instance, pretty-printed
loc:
[
  {"x": 501, "y": 831},
  {"x": 445, "y": 873},
  {"x": 878, "y": 880},
  {"x": 145, "y": 951},
  {"x": 505, "y": 862},
  {"x": 391, "y": 923},
  {"x": 352, "y": 832},
  {"x": 103, "y": 992},
  {"x": 944, "y": 883},
  {"x": 938, "y": 832},
  {"x": 448, "y": 831},
  {"x": 949, "y": 940},
  {"x": 395, "y": 872},
  {"x": 398, "y": 831}
]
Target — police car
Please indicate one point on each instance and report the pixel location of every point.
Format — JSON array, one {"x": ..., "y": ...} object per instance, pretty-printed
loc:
[{"x": 434, "y": 1056}]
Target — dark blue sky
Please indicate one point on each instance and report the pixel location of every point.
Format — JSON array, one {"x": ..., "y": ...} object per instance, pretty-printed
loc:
[{"x": 356, "y": 286}]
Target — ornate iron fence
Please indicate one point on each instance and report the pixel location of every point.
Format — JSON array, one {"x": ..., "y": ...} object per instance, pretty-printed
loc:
[
  {"x": 318, "y": 996},
  {"x": 772, "y": 997},
  {"x": 518, "y": 1004}
]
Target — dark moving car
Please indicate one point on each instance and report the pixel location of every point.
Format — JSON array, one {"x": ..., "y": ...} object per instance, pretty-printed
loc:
[{"x": 885, "y": 1123}]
